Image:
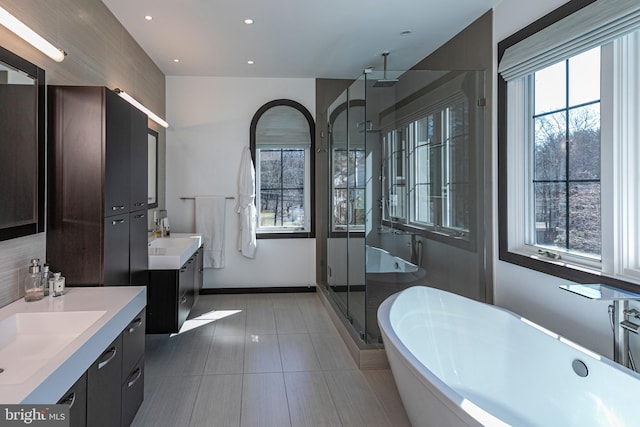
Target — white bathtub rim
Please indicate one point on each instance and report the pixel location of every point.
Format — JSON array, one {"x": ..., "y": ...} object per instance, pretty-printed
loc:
[
  {"x": 433, "y": 385},
  {"x": 445, "y": 393},
  {"x": 438, "y": 388}
]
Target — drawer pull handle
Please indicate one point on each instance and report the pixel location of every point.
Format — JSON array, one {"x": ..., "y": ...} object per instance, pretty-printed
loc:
[
  {"x": 117, "y": 221},
  {"x": 117, "y": 208},
  {"x": 105, "y": 362},
  {"x": 139, "y": 204},
  {"x": 137, "y": 374},
  {"x": 135, "y": 325},
  {"x": 69, "y": 400},
  {"x": 139, "y": 216}
]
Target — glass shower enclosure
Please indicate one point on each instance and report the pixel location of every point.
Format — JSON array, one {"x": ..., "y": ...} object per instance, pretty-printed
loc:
[{"x": 406, "y": 190}]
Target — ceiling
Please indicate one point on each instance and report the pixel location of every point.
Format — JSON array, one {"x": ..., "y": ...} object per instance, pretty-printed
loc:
[{"x": 291, "y": 38}]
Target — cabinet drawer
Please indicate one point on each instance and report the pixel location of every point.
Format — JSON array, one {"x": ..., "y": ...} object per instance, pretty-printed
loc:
[
  {"x": 76, "y": 398},
  {"x": 132, "y": 393},
  {"x": 104, "y": 388},
  {"x": 133, "y": 343}
]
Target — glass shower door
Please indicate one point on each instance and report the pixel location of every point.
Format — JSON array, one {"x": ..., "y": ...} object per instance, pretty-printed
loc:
[{"x": 345, "y": 242}]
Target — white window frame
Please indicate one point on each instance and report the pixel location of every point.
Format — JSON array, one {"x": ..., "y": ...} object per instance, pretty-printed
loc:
[
  {"x": 620, "y": 168},
  {"x": 441, "y": 114}
]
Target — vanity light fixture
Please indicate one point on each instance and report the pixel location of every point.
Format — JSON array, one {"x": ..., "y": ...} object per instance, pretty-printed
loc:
[
  {"x": 176, "y": 60},
  {"x": 250, "y": 62},
  {"x": 27, "y": 34},
  {"x": 148, "y": 17},
  {"x": 248, "y": 21},
  {"x": 131, "y": 100}
]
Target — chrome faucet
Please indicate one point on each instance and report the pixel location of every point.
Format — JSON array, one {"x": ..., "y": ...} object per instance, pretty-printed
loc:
[{"x": 620, "y": 313}]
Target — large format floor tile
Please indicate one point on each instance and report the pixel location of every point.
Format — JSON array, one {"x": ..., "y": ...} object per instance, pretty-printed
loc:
[{"x": 262, "y": 360}]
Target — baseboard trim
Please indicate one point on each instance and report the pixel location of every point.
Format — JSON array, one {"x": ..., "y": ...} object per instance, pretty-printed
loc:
[{"x": 269, "y": 290}]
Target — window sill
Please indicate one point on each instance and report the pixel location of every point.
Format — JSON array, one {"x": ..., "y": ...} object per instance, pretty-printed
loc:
[
  {"x": 565, "y": 270},
  {"x": 286, "y": 235}
]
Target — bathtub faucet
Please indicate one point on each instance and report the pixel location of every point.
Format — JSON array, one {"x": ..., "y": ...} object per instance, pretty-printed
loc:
[
  {"x": 619, "y": 313},
  {"x": 416, "y": 251}
]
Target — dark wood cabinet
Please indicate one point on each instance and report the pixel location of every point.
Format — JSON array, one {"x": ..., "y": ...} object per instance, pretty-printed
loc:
[
  {"x": 132, "y": 393},
  {"x": 198, "y": 278},
  {"x": 139, "y": 171},
  {"x": 138, "y": 249},
  {"x": 117, "y": 157},
  {"x": 104, "y": 391},
  {"x": 133, "y": 344},
  {"x": 116, "y": 250},
  {"x": 132, "y": 368},
  {"x": 97, "y": 179},
  {"x": 76, "y": 398},
  {"x": 171, "y": 294},
  {"x": 114, "y": 384},
  {"x": 111, "y": 391}
]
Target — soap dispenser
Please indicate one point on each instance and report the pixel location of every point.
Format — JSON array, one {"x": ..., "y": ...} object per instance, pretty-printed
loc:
[
  {"x": 56, "y": 285},
  {"x": 45, "y": 278},
  {"x": 33, "y": 289}
]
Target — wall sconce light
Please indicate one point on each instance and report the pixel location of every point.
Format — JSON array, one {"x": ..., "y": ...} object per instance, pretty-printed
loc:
[
  {"x": 131, "y": 100},
  {"x": 30, "y": 36}
]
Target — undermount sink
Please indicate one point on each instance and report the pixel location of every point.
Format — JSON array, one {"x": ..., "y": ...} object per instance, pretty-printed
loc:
[
  {"x": 29, "y": 340},
  {"x": 172, "y": 252}
]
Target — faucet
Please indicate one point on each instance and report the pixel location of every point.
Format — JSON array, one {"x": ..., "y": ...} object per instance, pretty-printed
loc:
[
  {"x": 620, "y": 314},
  {"x": 416, "y": 250}
]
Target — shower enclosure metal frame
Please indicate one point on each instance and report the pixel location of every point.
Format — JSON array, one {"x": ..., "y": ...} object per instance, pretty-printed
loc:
[{"x": 429, "y": 251}]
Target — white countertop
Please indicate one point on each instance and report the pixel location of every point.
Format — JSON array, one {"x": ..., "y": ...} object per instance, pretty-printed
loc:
[
  {"x": 170, "y": 253},
  {"x": 49, "y": 383}
]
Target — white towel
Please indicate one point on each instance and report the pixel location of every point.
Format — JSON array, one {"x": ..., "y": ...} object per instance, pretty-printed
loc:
[
  {"x": 246, "y": 207},
  {"x": 210, "y": 224}
]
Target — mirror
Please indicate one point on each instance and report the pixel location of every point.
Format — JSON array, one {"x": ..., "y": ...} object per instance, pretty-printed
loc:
[
  {"x": 152, "y": 200},
  {"x": 22, "y": 144}
]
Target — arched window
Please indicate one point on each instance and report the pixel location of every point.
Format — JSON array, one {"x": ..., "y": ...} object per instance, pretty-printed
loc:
[{"x": 282, "y": 146}]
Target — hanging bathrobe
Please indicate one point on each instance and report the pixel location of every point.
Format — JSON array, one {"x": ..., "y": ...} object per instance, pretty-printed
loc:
[{"x": 246, "y": 207}]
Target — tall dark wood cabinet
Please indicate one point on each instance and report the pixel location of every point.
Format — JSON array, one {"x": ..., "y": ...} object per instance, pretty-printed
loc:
[{"x": 97, "y": 187}]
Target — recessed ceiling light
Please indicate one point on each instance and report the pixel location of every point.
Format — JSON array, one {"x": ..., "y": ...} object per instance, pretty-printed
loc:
[
  {"x": 176, "y": 60},
  {"x": 148, "y": 17},
  {"x": 250, "y": 62},
  {"x": 248, "y": 21}
]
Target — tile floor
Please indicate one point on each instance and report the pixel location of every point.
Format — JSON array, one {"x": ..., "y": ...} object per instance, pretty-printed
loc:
[{"x": 269, "y": 360}]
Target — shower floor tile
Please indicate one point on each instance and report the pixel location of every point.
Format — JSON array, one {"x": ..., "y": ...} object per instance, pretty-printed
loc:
[{"x": 262, "y": 359}]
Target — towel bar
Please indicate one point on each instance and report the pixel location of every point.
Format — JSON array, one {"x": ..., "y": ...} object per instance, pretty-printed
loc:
[{"x": 193, "y": 198}]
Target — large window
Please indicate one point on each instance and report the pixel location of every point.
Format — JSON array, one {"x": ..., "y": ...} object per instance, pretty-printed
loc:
[
  {"x": 348, "y": 186},
  {"x": 426, "y": 171},
  {"x": 565, "y": 145},
  {"x": 282, "y": 134},
  {"x": 568, "y": 114}
]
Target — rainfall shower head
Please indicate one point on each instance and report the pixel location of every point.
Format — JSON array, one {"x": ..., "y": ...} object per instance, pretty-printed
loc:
[{"x": 384, "y": 82}]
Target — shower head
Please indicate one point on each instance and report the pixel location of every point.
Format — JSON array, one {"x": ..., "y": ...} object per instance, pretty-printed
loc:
[{"x": 385, "y": 82}]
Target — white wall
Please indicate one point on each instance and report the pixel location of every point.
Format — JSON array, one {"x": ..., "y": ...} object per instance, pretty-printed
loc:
[
  {"x": 210, "y": 119},
  {"x": 527, "y": 292}
]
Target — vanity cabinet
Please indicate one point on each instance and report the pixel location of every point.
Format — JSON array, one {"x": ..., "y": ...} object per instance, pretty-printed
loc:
[
  {"x": 104, "y": 391},
  {"x": 111, "y": 391},
  {"x": 171, "y": 294},
  {"x": 97, "y": 187},
  {"x": 76, "y": 398},
  {"x": 132, "y": 380}
]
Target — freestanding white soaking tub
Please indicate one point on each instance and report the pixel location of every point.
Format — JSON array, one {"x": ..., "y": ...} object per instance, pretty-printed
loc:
[{"x": 459, "y": 362}]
